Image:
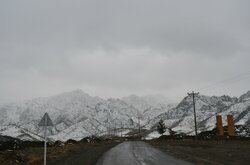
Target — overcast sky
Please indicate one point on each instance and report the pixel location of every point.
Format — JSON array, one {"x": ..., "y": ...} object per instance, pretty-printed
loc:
[{"x": 114, "y": 48}]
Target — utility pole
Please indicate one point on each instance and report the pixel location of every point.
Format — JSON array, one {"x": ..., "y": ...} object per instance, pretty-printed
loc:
[
  {"x": 121, "y": 129},
  {"x": 193, "y": 94},
  {"x": 115, "y": 130},
  {"x": 139, "y": 124}
]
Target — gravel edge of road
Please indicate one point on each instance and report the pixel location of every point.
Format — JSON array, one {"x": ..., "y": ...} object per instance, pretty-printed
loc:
[{"x": 86, "y": 156}]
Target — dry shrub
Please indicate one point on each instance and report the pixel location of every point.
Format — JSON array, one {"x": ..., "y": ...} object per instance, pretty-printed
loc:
[{"x": 34, "y": 159}]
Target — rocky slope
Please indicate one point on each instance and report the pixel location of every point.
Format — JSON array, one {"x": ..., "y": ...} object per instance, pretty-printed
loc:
[
  {"x": 180, "y": 118},
  {"x": 76, "y": 114}
]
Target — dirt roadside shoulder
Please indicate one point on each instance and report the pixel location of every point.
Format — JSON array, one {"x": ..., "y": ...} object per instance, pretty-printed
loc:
[
  {"x": 87, "y": 155},
  {"x": 229, "y": 152},
  {"x": 69, "y": 154}
]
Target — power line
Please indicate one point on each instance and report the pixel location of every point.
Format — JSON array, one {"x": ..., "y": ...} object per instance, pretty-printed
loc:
[{"x": 227, "y": 81}]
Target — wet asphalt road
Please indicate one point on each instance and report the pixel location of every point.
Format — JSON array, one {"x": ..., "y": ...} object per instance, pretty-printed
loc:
[{"x": 137, "y": 153}]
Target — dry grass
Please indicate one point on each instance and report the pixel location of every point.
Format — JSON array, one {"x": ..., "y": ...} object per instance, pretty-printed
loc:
[
  {"x": 229, "y": 152},
  {"x": 34, "y": 155},
  {"x": 33, "y": 159}
]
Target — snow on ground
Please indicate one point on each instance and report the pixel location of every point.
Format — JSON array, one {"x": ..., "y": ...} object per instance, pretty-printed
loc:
[
  {"x": 77, "y": 115},
  {"x": 10, "y": 131},
  {"x": 17, "y": 132},
  {"x": 154, "y": 135}
]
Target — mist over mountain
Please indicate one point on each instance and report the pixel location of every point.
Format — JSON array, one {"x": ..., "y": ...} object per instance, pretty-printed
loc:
[{"x": 76, "y": 114}]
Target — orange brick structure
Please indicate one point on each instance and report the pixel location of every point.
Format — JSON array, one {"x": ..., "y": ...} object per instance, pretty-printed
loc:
[
  {"x": 230, "y": 125},
  {"x": 219, "y": 126}
]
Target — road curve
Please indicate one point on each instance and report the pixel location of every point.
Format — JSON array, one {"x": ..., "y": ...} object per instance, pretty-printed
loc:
[{"x": 137, "y": 153}]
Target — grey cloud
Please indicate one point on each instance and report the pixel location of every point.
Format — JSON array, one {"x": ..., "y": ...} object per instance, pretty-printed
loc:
[
  {"x": 192, "y": 26},
  {"x": 122, "y": 46}
]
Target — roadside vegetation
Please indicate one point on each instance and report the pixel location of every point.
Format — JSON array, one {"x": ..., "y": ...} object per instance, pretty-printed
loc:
[{"x": 208, "y": 149}]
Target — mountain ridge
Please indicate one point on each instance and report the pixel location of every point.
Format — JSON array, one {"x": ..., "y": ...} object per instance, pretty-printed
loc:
[{"x": 76, "y": 114}]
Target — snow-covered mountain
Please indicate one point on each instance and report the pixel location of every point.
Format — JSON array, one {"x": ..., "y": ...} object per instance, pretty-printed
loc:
[
  {"x": 143, "y": 103},
  {"x": 76, "y": 114},
  {"x": 150, "y": 106},
  {"x": 181, "y": 118}
]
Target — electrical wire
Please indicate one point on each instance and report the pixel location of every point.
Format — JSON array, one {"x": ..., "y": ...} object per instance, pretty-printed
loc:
[{"x": 227, "y": 81}]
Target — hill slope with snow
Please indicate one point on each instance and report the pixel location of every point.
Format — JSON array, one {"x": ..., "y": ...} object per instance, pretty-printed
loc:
[
  {"x": 76, "y": 114},
  {"x": 181, "y": 118}
]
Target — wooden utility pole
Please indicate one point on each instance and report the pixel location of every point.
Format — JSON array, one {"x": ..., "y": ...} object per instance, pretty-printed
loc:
[
  {"x": 121, "y": 129},
  {"x": 139, "y": 124},
  {"x": 193, "y": 94}
]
